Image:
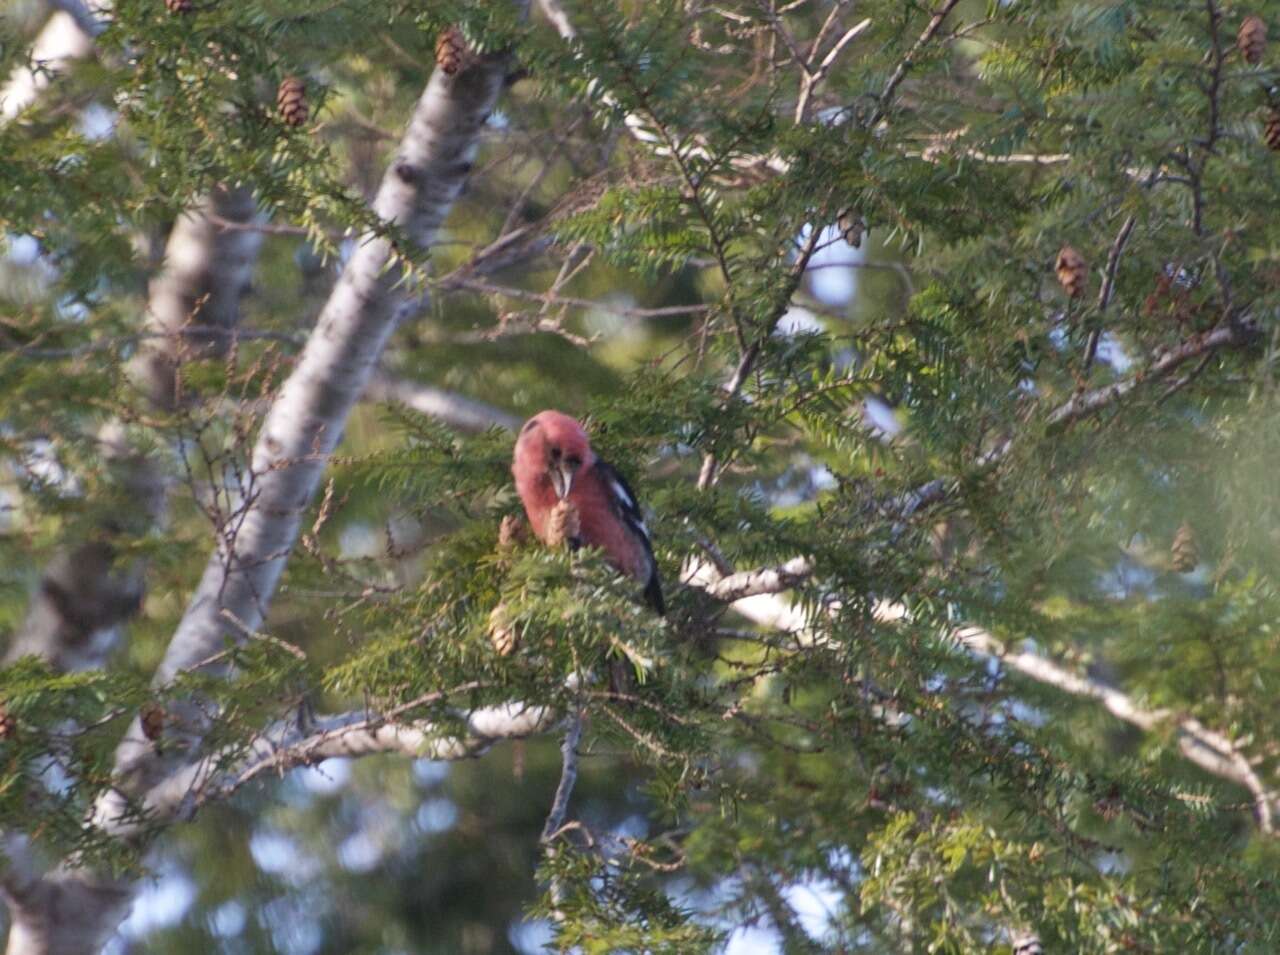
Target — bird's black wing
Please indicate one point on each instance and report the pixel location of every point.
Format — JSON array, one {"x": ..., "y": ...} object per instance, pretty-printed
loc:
[{"x": 628, "y": 509}]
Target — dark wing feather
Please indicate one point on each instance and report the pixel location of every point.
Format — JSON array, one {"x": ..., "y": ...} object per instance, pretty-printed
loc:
[{"x": 628, "y": 509}]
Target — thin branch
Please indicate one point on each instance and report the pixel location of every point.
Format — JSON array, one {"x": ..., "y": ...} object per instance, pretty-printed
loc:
[
  {"x": 568, "y": 777},
  {"x": 908, "y": 61},
  {"x": 554, "y": 298},
  {"x": 1208, "y": 749},
  {"x": 1237, "y": 334},
  {"x": 1108, "y": 286}
]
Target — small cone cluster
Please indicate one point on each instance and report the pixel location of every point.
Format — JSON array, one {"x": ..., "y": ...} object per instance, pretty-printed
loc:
[
  {"x": 1271, "y": 131},
  {"x": 1251, "y": 41},
  {"x": 502, "y": 631},
  {"x": 291, "y": 100},
  {"x": 452, "y": 53},
  {"x": 179, "y": 6},
  {"x": 1185, "y": 553},
  {"x": 1072, "y": 271},
  {"x": 152, "y": 718},
  {"x": 852, "y": 226},
  {"x": 563, "y": 525}
]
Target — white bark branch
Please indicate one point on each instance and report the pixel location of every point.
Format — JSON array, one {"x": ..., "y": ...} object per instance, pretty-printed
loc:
[
  {"x": 195, "y": 299},
  {"x": 74, "y": 617},
  {"x": 457, "y": 411},
  {"x": 766, "y": 580},
  {"x": 352, "y": 735}
]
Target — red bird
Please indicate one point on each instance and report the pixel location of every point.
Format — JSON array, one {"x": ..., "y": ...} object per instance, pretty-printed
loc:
[{"x": 553, "y": 462}]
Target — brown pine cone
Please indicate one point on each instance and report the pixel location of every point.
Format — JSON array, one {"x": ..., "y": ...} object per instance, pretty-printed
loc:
[
  {"x": 291, "y": 100},
  {"x": 510, "y": 533},
  {"x": 563, "y": 525},
  {"x": 1271, "y": 131},
  {"x": 502, "y": 631},
  {"x": 1251, "y": 41},
  {"x": 1073, "y": 272},
  {"x": 179, "y": 6},
  {"x": 852, "y": 226},
  {"x": 8, "y": 725},
  {"x": 152, "y": 718},
  {"x": 453, "y": 55},
  {"x": 1185, "y": 552}
]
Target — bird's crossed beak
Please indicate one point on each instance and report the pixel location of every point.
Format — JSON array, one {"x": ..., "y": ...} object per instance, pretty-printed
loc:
[{"x": 561, "y": 479}]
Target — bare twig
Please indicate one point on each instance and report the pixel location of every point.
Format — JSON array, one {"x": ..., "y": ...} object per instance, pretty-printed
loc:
[
  {"x": 568, "y": 777},
  {"x": 907, "y": 62},
  {"x": 1108, "y": 286}
]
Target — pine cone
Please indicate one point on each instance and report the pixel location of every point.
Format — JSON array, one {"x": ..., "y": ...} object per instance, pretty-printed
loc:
[
  {"x": 152, "y": 717},
  {"x": 563, "y": 525},
  {"x": 1271, "y": 131},
  {"x": 510, "y": 533},
  {"x": 179, "y": 6},
  {"x": 291, "y": 100},
  {"x": 1185, "y": 553},
  {"x": 1027, "y": 943},
  {"x": 1251, "y": 41},
  {"x": 1072, "y": 271},
  {"x": 8, "y": 725},
  {"x": 852, "y": 226},
  {"x": 452, "y": 53},
  {"x": 502, "y": 632}
]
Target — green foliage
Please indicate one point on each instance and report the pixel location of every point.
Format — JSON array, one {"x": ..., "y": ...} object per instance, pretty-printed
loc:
[{"x": 666, "y": 217}]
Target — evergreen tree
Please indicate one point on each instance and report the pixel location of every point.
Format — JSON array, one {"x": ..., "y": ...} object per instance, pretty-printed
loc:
[{"x": 938, "y": 342}]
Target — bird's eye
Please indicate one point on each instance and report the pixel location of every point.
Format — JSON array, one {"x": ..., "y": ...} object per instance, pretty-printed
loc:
[
  {"x": 573, "y": 461},
  {"x": 555, "y": 454}
]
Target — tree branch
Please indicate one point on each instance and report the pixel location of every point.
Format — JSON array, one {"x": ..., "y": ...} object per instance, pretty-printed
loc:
[
  {"x": 457, "y": 411},
  {"x": 1211, "y": 751},
  {"x": 908, "y": 61},
  {"x": 1238, "y": 333},
  {"x": 352, "y": 735}
]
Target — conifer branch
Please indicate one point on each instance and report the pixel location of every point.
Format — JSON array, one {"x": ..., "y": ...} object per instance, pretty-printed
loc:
[
  {"x": 1237, "y": 333},
  {"x": 904, "y": 66},
  {"x": 1210, "y": 750},
  {"x": 302, "y": 428}
]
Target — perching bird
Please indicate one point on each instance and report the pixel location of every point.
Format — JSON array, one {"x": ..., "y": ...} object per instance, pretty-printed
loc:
[{"x": 553, "y": 462}]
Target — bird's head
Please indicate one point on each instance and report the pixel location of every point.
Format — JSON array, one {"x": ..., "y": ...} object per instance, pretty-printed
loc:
[{"x": 554, "y": 445}]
